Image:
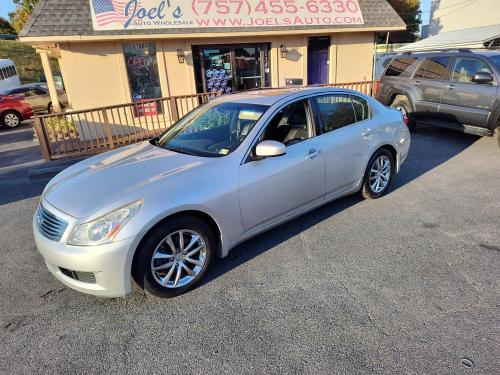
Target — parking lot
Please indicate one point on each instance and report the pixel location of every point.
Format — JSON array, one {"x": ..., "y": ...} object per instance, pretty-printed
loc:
[{"x": 407, "y": 284}]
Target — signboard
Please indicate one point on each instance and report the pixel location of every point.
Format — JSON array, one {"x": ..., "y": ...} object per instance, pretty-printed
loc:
[{"x": 206, "y": 14}]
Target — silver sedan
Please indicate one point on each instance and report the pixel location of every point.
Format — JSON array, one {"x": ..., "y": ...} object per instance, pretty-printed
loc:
[{"x": 160, "y": 211}]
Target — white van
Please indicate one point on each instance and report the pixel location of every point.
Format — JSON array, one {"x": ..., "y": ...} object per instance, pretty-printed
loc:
[{"x": 8, "y": 74}]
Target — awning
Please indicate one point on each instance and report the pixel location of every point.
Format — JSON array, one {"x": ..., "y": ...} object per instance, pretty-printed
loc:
[{"x": 474, "y": 38}]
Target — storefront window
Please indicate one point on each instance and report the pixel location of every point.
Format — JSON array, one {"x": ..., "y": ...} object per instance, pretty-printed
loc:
[
  {"x": 225, "y": 69},
  {"x": 142, "y": 70}
]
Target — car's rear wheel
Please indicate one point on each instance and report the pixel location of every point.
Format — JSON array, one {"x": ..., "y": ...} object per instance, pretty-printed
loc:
[
  {"x": 402, "y": 104},
  {"x": 174, "y": 257},
  {"x": 378, "y": 174},
  {"x": 11, "y": 119}
]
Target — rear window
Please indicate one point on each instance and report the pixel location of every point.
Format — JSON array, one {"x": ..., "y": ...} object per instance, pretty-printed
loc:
[
  {"x": 435, "y": 68},
  {"x": 400, "y": 66}
]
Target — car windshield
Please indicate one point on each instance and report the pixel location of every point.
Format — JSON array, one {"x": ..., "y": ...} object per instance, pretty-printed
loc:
[
  {"x": 213, "y": 129},
  {"x": 496, "y": 61}
]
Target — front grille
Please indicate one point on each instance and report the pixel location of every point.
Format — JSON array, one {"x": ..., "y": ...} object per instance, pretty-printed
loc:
[
  {"x": 50, "y": 225},
  {"x": 85, "y": 277}
]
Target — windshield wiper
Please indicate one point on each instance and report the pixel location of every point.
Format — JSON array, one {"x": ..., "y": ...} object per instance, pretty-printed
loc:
[{"x": 179, "y": 150}]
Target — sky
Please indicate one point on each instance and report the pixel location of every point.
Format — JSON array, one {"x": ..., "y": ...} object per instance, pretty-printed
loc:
[{"x": 7, "y": 6}]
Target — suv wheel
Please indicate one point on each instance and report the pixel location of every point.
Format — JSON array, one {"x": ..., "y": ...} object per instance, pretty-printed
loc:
[
  {"x": 11, "y": 119},
  {"x": 402, "y": 104},
  {"x": 174, "y": 257},
  {"x": 378, "y": 174}
]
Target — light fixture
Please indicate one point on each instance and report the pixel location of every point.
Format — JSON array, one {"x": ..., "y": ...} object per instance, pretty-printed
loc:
[
  {"x": 283, "y": 51},
  {"x": 180, "y": 55}
]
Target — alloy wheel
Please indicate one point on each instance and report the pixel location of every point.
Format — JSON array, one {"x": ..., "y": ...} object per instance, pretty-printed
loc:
[
  {"x": 380, "y": 174},
  {"x": 178, "y": 259},
  {"x": 11, "y": 120}
]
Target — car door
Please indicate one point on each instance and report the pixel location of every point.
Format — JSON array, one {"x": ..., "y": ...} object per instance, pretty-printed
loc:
[
  {"x": 346, "y": 140},
  {"x": 465, "y": 101},
  {"x": 427, "y": 84},
  {"x": 41, "y": 98},
  {"x": 32, "y": 98},
  {"x": 271, "y": 189}
]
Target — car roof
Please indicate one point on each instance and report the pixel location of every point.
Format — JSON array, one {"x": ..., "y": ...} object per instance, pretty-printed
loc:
[
  {"x": 449, "y": 53},
  {"x": 269, "y": 97}
]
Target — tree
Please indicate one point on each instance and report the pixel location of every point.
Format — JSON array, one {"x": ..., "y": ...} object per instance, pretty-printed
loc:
[
  {"x": 5, "y": 27},
  {"x": 20, "y": 16},
  {"x": 409, "y": 11}
]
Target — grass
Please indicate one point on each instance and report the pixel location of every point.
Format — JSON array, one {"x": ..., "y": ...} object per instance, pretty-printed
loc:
[{"x": 28, "y": 63}]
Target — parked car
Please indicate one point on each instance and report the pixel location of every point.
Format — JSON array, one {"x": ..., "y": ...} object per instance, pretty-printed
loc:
[
  {"x": 455, "y": 89},
  {"x": 160, "y": 211},
  {"x": 37, "y": 95},
  {"x": 14, "y": 109}
]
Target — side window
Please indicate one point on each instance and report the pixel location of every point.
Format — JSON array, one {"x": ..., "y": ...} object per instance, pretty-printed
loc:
[
  {"x": 435, "y": 68},
  {"x": 361, "y": 108},
  {"x": 2, "y": 75},
  {"x": 400, "y": 67},
  {"x": 465, "y": 68},
  {"x": 291, "y": 125},
  {"x": 335, "y": 111}
]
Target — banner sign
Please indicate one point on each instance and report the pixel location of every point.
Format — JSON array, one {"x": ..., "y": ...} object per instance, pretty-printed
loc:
[{"x": 203, "y": 14}]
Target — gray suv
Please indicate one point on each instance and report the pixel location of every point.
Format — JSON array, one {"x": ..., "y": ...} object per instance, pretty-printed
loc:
[{"x": 453, "y": 89}]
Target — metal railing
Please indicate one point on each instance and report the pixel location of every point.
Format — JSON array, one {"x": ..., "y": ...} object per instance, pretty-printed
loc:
[{"x": 91, "y": 131}]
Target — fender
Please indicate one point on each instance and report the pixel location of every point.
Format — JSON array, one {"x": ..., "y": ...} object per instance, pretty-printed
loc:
[
  {"x": 494, "y": 117},
  {"x": 406, "y": 91}
]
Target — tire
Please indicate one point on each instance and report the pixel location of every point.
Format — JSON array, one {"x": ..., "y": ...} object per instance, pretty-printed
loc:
[
  {"x": 369, "y": 189},
  {"x": 10, "y": 119},
  {"x": 166, "y": 281},
  {"x": 402, "y": 104},
  {"x": 50, "y": 107}
]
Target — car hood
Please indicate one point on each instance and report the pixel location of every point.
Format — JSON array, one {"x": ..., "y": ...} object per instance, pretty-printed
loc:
[{"x": 115, "y": 178}]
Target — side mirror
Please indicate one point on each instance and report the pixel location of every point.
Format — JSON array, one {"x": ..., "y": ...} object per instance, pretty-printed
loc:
[
  {"x": 482, "y": 78},
  {"x": 267, "y": 149}
]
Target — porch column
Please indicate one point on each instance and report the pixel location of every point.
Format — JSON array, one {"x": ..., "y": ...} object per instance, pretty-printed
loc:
[{"x": 51, "y": 84}]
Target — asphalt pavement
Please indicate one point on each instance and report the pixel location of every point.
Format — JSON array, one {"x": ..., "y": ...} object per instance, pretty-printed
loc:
[{"x": 406, "y": 284}]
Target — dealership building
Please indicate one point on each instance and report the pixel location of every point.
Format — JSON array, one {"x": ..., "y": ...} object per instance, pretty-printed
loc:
[{"x": 114, "y": 52}]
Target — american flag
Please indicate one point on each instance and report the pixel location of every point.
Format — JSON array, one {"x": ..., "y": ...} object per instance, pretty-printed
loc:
[{"x": 109, "y": 11}]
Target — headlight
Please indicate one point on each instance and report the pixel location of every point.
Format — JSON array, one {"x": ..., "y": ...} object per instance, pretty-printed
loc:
[{"x": 104, "y": 229}]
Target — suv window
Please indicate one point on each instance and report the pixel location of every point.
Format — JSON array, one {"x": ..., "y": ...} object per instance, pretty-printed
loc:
[
  {"x": 290, "y": 125},
  {"x": 466, "y": 67},
  {"x": 434, "y": 68},
  {"x": 400, "y": 66},
  {"x": 335, "y": 111}
]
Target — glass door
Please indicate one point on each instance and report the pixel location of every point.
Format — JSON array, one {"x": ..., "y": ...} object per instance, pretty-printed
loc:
[{"x": 225, "y": 69}]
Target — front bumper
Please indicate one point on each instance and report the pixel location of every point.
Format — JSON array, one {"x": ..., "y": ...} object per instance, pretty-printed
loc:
[{"x": 109, "y": 263}]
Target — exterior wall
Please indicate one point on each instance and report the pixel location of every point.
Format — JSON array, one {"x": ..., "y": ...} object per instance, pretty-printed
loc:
[
  {"x": 451, "y": 15},
  {"x": 95, "y": 74},
  {"x": 354, "y": 57}
]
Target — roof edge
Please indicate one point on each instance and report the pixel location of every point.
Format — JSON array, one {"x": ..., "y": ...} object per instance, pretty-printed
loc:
[
  {"x": 117, "y": 37},
  {"x": 37, "y": 10}
]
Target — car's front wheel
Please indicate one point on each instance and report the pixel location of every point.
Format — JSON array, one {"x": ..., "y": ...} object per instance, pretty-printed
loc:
[
  {"x": 174, "y": 257},
  {"x": 11, "y": 119},
  {"x": 378, "y": 174}
]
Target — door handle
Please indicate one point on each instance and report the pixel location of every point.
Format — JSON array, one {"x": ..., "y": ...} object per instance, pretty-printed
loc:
[
  {"x": 449, "y": 87},
  {"x": 416, "y": 83},
  {"x": 313, "y": 154}
]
